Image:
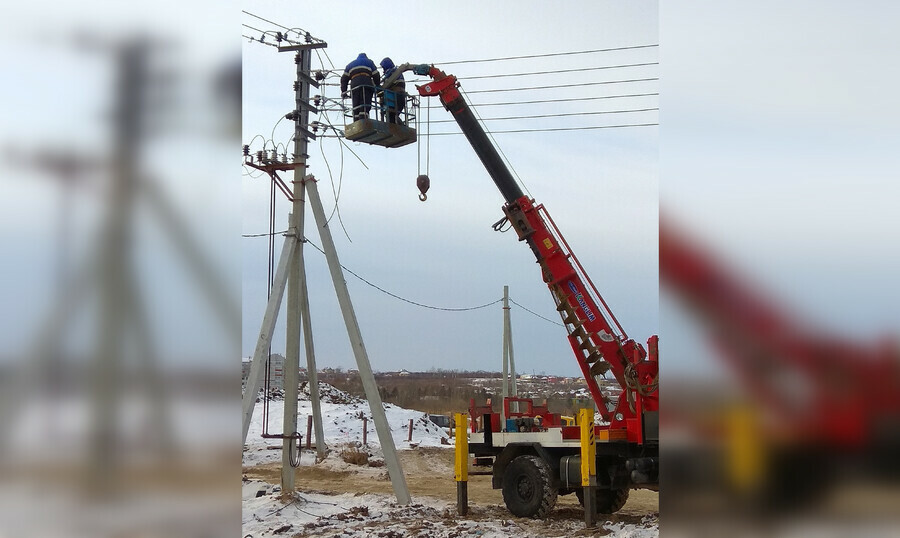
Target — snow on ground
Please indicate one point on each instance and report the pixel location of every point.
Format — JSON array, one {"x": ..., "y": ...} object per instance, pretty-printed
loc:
[
  {"x": 266, "y": 514},
  {"x": 342, "y": 421},
  {"x": 305, "y": 514}
]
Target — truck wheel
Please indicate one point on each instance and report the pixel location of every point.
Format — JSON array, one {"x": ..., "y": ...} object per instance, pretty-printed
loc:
[
  {"x": 527, "y": 487},
  {"x": 609, "y": 501}
]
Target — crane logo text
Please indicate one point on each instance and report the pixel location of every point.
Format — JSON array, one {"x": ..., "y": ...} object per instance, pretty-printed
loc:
[{"x": 580, "y": 298}]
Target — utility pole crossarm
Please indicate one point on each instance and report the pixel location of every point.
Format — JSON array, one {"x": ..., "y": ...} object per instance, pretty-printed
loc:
[{"x": 305, "y": 46}]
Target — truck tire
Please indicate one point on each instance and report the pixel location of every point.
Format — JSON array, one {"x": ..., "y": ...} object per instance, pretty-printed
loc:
[
  {"x": 609, "y": 501},
  {"x": 528, "y": 488}
]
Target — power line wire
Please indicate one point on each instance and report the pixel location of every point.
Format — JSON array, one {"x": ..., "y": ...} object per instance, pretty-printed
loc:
[
  {"x": 558, "y": 71},
  {"x": 264, "y": 32},
  {"x": 414, "y": 302},
  {"x": 270, "y": 22},
  {"x": 257, "y": 29},
  {"x": 559, "y": 115},
  {"x": 547, "y": 55},
  {"x": 567, "y": 85},
  {"x": 445, "y": 309},
  {"x": 568, "y": 99},
  {"x": 556, "y": 129},
  {"x": 299, "y": 31},
  {"x": 536, "y": 314}
]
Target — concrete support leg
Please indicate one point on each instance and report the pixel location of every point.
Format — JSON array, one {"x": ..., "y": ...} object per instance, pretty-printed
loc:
[
  {"x": 309, "y": 348},
  {"x": 382, "y": 428}
]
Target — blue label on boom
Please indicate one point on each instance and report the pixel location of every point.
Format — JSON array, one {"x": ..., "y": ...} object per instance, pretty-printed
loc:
[{"x": 580, "y": 298}]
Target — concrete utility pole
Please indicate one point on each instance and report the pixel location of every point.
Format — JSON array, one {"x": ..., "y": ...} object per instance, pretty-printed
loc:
[
  {"x": 297, "y": 278},
  {"x": 300, "y": 147},
  {"x": 292, "y": 274},
  {"x": 509, "y": 363}
]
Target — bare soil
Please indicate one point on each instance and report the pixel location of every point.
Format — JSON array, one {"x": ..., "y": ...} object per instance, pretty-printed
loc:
[{"x": 429, "y": 472}]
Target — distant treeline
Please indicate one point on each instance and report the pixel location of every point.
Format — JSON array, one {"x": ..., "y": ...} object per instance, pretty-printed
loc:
[
  {"x": 438, "y": 373},
  {"x": 439, "y": 392}
]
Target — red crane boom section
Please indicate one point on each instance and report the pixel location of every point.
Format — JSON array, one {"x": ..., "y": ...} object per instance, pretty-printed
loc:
[
  {"x": 817, "y": 384},
  {"x": 598, "y": 341}
]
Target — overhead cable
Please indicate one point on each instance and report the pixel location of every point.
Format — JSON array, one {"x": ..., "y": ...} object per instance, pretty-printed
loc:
[
  {"x": 556, "y": 129},
  {"x": 536, "y": 314},
  {"x": 568, "y": 99},
  {"x": 502, "y": 75},
  {"x": 567, "y": 85},
  {"x": 270, "y": 22},
  {"x": 257, "y": 29},
  {"x": 445, "y": 309},
  {"x": 547, "y": 55},
  {"x": 558, "y": 115}
]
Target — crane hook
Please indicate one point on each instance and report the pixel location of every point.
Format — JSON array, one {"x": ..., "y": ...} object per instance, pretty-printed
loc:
[{"x": 423, "y": 183}]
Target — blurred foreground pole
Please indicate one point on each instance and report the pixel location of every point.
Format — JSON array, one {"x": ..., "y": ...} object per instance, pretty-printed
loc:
[
  {"x": 120, "y": 302},
  {"x": 117, "y": 389}
]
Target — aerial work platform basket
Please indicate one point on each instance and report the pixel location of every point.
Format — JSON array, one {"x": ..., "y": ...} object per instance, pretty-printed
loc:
[{"x": 390, "y": 128}]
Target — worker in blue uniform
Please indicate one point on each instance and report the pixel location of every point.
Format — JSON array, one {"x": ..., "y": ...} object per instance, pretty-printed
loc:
[
  {"x": 361, "y": 75},
  {"x": 393, "y": 104}
]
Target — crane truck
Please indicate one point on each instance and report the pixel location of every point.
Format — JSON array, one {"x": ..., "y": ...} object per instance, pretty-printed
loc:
[{"x": 535, "y": 456}]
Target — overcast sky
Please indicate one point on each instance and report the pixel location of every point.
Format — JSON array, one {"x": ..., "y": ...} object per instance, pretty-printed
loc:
[
  {"x": 778, "y": 151},
  {"x": 61, "y": 57},
  {"x": 599, "y": 185},
  {"x": 777, "y": 147}
]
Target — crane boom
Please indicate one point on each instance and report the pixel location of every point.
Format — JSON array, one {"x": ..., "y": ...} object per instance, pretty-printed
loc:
[{"x": 596, "y": 337}]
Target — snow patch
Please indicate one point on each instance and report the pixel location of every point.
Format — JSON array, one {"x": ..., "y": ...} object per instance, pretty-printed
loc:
[
  {"x": 342, "y": 422},
  {"x": 266, "y": 514}
]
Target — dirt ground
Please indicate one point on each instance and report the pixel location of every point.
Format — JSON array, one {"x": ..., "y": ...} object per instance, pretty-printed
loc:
[{"x": 429, "y": 472}]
